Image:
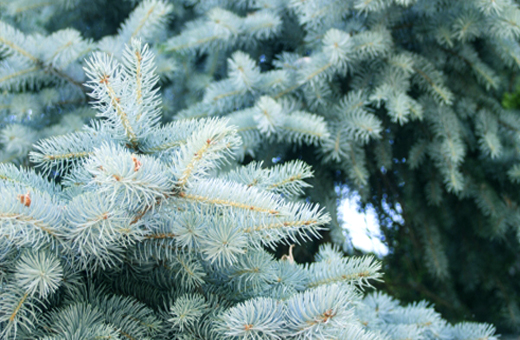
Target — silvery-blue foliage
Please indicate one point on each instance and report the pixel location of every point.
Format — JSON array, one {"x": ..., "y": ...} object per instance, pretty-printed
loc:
[{"x": 133, "y": 228}]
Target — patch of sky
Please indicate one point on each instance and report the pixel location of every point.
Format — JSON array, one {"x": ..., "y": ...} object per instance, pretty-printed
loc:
[{"x": 361, "y": 226}]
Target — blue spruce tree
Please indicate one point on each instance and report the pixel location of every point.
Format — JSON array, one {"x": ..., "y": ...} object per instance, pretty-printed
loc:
[{"x": 148, "y": 173}]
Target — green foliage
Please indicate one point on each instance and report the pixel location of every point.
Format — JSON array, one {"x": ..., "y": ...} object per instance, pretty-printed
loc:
[{"x": 511, "y": 100}]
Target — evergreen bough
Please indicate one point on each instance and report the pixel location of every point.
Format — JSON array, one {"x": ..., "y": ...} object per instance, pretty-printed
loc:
[
  {"x": 144, "y": 222},
  {"x": 146, "y": 239}
]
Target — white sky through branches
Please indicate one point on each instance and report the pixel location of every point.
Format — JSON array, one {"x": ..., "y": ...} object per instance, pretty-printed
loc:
[{"x": 361, "y": 226}]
